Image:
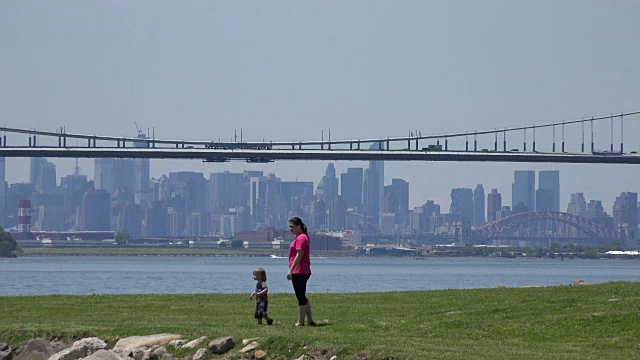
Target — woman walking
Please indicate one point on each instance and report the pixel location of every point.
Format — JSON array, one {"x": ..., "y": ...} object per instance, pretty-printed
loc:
[{"x": 300, "y": 269}]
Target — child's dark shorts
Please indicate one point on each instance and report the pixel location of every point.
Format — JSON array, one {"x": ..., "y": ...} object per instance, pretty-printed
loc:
[{"x": 261, "y": 309}]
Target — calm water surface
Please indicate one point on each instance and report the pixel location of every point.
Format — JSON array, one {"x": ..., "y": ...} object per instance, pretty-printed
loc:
[{"x": 84, "y": 275}]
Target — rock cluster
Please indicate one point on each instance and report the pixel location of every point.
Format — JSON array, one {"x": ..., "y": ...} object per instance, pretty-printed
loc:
[{"x": 150, "y": 347}]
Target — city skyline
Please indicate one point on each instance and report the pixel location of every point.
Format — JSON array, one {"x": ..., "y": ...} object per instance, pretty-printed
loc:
[
  {"x": 507, "y": 198},
  {"x": 299, "y": 70}
]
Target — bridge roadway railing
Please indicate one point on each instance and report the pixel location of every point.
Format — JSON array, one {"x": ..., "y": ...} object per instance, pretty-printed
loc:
[{"x": 402, "y": 143}]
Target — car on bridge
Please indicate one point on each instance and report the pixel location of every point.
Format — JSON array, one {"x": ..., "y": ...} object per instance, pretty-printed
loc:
[{"x": 433, "y": 147}]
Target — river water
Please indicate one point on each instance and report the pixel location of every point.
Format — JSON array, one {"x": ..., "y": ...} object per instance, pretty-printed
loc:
[{"x": 85, "y": 275}]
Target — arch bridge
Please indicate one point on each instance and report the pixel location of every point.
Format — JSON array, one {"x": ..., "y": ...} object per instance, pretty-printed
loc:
[{"x": 495, "y": 228}]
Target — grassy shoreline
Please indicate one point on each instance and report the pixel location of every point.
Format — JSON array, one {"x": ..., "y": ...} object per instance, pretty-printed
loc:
[{"x": 563, "y": 322}]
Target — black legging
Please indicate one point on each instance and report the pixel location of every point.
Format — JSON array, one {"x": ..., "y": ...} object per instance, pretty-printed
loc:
[{"x": 299, "y": 282}]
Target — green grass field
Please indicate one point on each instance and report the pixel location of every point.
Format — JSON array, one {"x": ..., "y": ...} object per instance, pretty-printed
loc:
[{"x": 563, "y": 322}]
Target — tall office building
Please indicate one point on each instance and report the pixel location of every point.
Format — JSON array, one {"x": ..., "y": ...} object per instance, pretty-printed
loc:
[
  {"x": 42, "y": 175},
  {"x": 396, "y": 200},
  {"x": 141, "y": 173},
  {"x": 351, "y": 188},
  {"x": 3, "y": 192},
  {"x": 494, "y": 205},
  {"x": 523, "y": 191},
  {"x": 595, "y": 212},
  {"x": 297, "y": 195},
  {"x": 257, "y": 199},
  {"x": 548, "y": 193},
  {"x": 373, "y": 188},
  {"x": 35, "y": 169},
  {"x": 328, "y": 186},
  {"x": 156, "y": 221},
  {"x": 577, "y": 206},
  {"x": 193, "y": 188},
  {"x": 275, "y": 207},
  {"x": 227, "y": 192},
  {"x": 48, "y": 180},
  {"x": 462, "y": 203},
  {"x": 95, "y": 211},
  {"x": 478, "y": 206},
  {"x": 625, "y": 217},
  {"x": 104, "y": 175}
]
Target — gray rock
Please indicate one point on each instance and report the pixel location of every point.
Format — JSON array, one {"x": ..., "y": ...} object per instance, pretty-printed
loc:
[
  {"x": 149, "y": 340},
  {"x": 6, "y": 355},
  {"x": 252, "y": 346},
  {"x": 177, "y": 343},
  {"x": 104, "y": 355},
  {"x": 36, "y": 349},
  {"x": 58, "y": 345},
  {"x": 201, "y": 353},
  {"x": 222, "y": 345},
  {"x": 80, "y": 349},
  {"x": 160, "y": 351},
  {"x": 167, "y": 356},
  {"x": 4, "y": 346},
  {"x": 149, "y": 355},
  {"x": 194, "y": 343},
  {"x": 17, "y": 348}
]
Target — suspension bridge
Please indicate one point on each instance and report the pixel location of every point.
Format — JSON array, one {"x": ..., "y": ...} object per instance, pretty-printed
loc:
[{"x": 502, "y": 146}]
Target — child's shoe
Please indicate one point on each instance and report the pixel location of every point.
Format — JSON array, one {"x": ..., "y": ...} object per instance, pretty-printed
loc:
[{"x": 269, "y": 321}]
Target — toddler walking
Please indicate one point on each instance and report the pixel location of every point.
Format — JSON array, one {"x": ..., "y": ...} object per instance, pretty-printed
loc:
[{"x": 260, "y": 293}]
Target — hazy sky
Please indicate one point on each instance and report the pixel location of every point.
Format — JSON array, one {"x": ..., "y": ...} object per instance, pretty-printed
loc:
[{"x": 287, "y": 70}]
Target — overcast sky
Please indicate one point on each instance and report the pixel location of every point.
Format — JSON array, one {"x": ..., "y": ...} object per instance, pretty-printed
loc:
[{"x": 289, "y": 70}]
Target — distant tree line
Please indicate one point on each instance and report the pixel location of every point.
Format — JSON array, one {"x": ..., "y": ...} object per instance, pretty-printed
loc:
[{"x": 8, "y": 244}]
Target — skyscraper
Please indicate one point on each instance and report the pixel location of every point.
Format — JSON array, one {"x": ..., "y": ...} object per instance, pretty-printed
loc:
[
  {"x": 42, "y": 175},
  {"x": 104, "y": 175},
  {"x": 94, "y": 213},
  {"x": 141, "y": 167},
  {"x": 35, "y": 169},
  {"x": 462, "y": 203},
  {"x": 3, "y": 192},
  {"x": 494, "y": 205},
  {"x": 328, "y": 186},
  {"x": 227, "y": 192},
  {"x": 478, "y": 206},
  {"x": 548, "y": 193},
  {"x": 625, "y": 217},
  {"x": 523, "y": 191},
  {"x": 397, "y": 200},
  {"x": 351, "y": 188},
  {"x": 373, "y": 187},
  {"x": 577, "y": 206}
]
